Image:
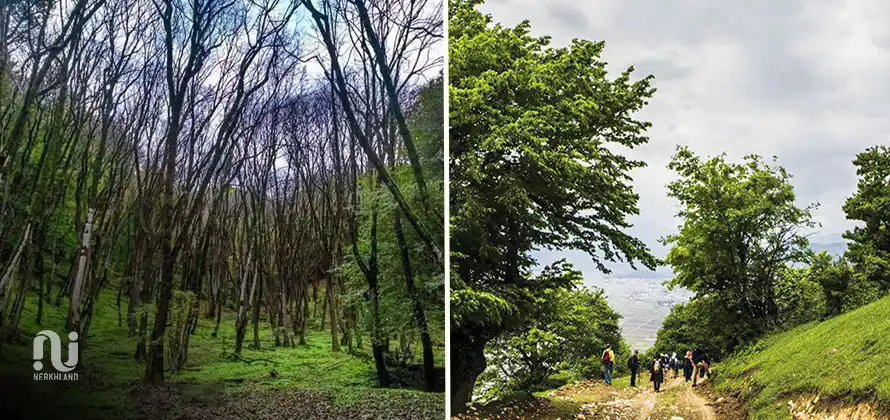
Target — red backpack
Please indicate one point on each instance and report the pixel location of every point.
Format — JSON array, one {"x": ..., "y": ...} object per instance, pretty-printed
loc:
[{"x": 607, "y": 356}]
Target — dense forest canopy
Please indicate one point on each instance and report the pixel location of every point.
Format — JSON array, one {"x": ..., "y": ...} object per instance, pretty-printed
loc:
[{"x": 277, "y": 160}]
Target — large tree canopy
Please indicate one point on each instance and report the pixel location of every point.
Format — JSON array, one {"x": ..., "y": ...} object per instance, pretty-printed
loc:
[
  {"x": 536, "y": 138},
  {"x": 741, "y": 230}
]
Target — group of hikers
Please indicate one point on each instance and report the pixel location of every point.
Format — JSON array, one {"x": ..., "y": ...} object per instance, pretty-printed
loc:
[{"x": 696, "y": 364}]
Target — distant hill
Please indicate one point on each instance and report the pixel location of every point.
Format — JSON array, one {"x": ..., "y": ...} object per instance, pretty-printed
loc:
[
  {"x": 833, "y": 248},
  {"x": 843, "y": 361},
  {"x": 833, "y": 243}
]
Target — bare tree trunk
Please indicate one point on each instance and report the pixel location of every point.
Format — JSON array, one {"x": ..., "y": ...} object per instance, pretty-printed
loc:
[
  {"x": 135, "y": 284},
  {"x": 11, "y": 326},
  {"x": 332, "y": 305},
  {"x": 429, "y": 368},
  {"x": 13, "y": 266},
  {"x": 256, "y": 296},
  {"x": 81, "y": 274},
  {"x": 303, "y": 306},
  {"x": 241, "y": 320},
  {"x": 218, "y": 315}
]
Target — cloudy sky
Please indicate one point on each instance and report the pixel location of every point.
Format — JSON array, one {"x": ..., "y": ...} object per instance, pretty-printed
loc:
[{"x": 806, "y": 81}]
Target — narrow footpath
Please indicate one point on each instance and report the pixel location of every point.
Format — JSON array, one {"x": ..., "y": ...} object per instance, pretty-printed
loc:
[{"x": 678, "y": 400}]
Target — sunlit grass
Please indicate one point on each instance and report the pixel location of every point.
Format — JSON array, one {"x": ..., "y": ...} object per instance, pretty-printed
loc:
[{"x": 845, "y": 358}]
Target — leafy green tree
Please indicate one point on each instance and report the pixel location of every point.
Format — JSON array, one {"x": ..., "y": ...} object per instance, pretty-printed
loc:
[
  {"x": 689, "y": 326},
  {"x": 799, "y": 297},
  {"x": 563, "y": 342},
  {"x": 706, "y": 322},
  {"x": 836, "y": 276},
  {"x": 741, "y": 228},
  {"x": 869, "y": 247},
  {"x": 536, "y": 138}
]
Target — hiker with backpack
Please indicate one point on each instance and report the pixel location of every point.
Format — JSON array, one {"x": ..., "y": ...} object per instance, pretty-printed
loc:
[
  {"x": 656, "y": 373},
  {"x": 608, "y": 363},
  {"x": 634, "y": 365}
]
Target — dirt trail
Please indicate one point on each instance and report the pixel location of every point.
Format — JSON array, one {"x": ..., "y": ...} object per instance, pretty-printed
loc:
[
  {"x": 592, "y": 399},
  {"x": 693, "y": 401},
  {"x": 677, "y": 400}
]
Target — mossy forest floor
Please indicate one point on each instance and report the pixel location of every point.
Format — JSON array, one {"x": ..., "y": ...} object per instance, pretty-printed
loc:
[{"x": 312, "y": 381}]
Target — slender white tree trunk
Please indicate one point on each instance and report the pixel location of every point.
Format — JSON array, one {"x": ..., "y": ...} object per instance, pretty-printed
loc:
[{"x": 80, "y": 276}]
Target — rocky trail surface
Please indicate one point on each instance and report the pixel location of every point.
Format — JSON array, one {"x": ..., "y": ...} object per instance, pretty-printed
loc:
[{"x": 678, "y": 400}]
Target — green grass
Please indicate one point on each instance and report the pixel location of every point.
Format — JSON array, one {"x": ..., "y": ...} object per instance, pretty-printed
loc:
[
  {"x": 110, "y": 378},
  {"x": 845, "y": 359}
]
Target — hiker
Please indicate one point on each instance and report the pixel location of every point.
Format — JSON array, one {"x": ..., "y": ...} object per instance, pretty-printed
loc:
[
  {"x": 634, "y": 365},
  {"x": 656, "y": 373},
  {"x": 608, "y": 363},
  {"x": 675, "y": 365},
  {"x": 688, "y": 365},
  {"x": 702, "y": 364}
]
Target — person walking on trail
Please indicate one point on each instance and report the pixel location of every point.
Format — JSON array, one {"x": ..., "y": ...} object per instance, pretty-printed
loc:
[
  {"x": 656, "y": 373},
  {"x": 634, "y": 365},
  {"x": 608, "y": 364},
  {"x": 675, "y": 365},
  {"x": 702, "y": 365},
  {"x": 688, "y": 366}
]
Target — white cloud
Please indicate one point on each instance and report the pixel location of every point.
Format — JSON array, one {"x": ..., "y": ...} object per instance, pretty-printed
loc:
[{"x": 806, "y": 81}]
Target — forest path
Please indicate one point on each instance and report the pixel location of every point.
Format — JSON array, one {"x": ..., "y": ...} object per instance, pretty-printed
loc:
[
  {"x": 693, "y": 401},
  {"x": 677, "y": 400},
  {"x": 592, "y": 399}
]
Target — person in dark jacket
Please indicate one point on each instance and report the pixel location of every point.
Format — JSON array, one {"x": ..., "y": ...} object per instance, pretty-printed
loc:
[
  {"x": 634, "y": 365},
  {"x": 675, "y": 365},
  {"x": 688, "y": 366},
  {"x": 656, "y": 373}
]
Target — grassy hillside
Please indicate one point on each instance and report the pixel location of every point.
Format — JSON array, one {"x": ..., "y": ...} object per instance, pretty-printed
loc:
[
  {"x": 845, "y": 360},
  {"x": 311, "y": 378}
]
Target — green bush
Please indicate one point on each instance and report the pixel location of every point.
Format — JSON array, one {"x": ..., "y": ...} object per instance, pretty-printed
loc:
[{"x": 563, "y": 343}]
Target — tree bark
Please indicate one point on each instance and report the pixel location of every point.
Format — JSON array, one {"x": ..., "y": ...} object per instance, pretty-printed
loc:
[
  {"x": 13, "y": 266},
  {"x": 332, "y": 307},
  {"x": 467, "y": 357},
  {"x": 429, "y": 367},
  {"x": 80, "y": 275}
]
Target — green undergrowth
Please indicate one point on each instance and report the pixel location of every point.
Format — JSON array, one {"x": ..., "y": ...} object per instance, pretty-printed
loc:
[
  {"x": 845, "y": 359},
  {"x": 109, "y": 382}
]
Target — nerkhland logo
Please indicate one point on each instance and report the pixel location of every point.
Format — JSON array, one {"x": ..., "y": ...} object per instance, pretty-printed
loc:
[{"x": 63, "y": 369}]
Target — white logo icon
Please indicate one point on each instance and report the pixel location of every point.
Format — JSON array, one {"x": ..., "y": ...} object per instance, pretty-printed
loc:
[{"x": 55, "y": 355}]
